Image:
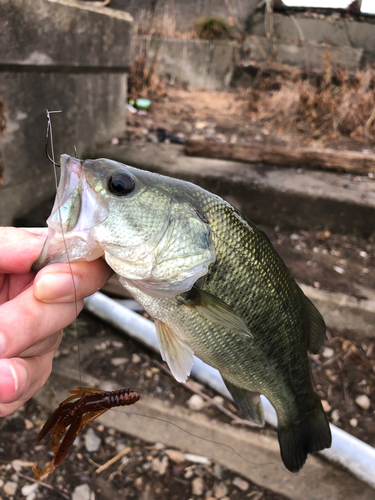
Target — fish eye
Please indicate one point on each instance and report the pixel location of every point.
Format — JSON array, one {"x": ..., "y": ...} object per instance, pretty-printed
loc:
[{"x": 121, "y": 183}]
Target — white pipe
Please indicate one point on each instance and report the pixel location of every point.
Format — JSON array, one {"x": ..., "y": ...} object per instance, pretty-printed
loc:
[{"x": 346, "y": 450}]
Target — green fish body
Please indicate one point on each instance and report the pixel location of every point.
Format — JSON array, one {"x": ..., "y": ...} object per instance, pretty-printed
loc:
[{"x": 211, "y": 280}]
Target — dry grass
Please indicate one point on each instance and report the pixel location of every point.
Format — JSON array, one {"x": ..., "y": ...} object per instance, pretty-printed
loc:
[
  {"x": 329, "y": 105},
  {"x": 142, "y": 78}
]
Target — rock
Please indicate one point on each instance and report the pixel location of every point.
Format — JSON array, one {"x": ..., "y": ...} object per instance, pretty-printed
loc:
[
  {"x": 117, "y": 344},
  {"x": 220, "y": 490},
  {"x": 159, "y": 446},
  {"x": 10, "y": 488},
  {"x": 197, "y": 459},
  {"x": 189, "y": 472},
  {"x": 363, "y": 401},
  {"x": 28, "y": 489},
  {"x": 353, "y": 422},
  {"x": 326, "y": 406},
  {"x": 335, "y": 416},
  {"x": 241, "y": 484},
  {"x": 92, "y": 441},
  {"x": 136, "y": 358},
  {"x": 338, "y": 269},
  {"x": 120, "y": 446},
  {"x": 28, "y": 424},
  {"x": 218, "y": 471},
  {"x": 81, "y": 492},
  {"x": 176, "y": 456},
  {"x": 196, "y": 403},
  {"x": 119, "y": 361},
  {"x": 152, "y": 138},
  {"x": 328, "y": 352},
  {"x": 160, "y": 465},
  {"x": 197, "y": 486},
  {"x": 201, "y": 125},
  {"x": 138, "y": 483},
  {"x": 219, "y": 399}
]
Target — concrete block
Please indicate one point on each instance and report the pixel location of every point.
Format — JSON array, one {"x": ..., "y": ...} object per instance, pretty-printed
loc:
[
  {"x": 221, "y": 67},
  {"x": 65, "y": 33},
  {"x": 199, "y": 63},
  {"x": 185, "y": 60},
  {"x": 328, "y": 30},
  {"x": 56, "y": 54},
  {"x": 185, "y": 14},
  {"x": 307, "y": 55},
  {"x": 93, "y": 107},
  {"x": 363, "y": 35},
  {"x": 310, "y": 56}
]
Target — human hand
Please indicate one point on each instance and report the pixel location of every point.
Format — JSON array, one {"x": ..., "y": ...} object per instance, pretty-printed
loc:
[{"x": 33, "y": 311}]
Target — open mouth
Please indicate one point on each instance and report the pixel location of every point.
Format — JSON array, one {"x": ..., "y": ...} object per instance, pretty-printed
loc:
[{"x": 75, "y": 212}]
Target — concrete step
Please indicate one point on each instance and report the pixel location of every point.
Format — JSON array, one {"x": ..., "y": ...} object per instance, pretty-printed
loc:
[{"x": 268, "y": 195}]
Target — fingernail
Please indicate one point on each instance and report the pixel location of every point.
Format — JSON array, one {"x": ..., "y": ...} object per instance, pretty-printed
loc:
[
  {"x": 57, "y": 287},
  {"x": 13, "y": 376}
]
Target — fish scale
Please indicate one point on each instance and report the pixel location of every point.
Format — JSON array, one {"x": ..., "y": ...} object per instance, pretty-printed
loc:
[{"x": 212, "y": 281}]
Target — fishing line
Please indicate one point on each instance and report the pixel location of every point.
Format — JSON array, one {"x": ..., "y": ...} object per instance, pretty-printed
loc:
[
  {"x": 52, "y": 160},
  {"x": 212, "y": 441}
]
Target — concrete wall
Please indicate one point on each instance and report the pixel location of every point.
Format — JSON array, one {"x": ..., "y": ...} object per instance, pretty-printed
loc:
[
  {"x": 330, "y": 31},
  {"x": 57, "y": 54},
  {"x": 187, "y": 12},
  {"x": 199, "y": 63}
]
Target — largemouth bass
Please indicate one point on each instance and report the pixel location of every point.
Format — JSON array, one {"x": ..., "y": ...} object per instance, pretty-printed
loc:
[{"x": 211, "y": 280}]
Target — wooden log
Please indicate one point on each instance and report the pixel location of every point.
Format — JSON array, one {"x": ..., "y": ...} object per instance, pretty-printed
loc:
[{"x": 345, "y": 161}]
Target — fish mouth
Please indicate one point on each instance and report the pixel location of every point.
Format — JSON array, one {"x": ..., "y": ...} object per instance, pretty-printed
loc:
[{"x": 77, "y": 209}]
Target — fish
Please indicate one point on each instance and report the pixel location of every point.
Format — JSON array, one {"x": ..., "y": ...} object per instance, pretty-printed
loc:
[{"x": 211, "y": 280}]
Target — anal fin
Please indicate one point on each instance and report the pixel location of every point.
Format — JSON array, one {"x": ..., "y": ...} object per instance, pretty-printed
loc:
[
  {"x": 248, "y": 402},
  {"x": 174, "y": 351}
]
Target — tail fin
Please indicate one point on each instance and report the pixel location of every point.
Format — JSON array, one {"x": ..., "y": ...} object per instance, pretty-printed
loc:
[{"x": 310, "y": 435}]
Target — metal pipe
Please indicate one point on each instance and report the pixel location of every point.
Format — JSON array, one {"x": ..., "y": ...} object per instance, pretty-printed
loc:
[{"x": 346, "y": 450}]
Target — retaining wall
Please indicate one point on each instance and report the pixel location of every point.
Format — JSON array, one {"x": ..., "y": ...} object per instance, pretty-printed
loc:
[{"x": 57, "y": 54}]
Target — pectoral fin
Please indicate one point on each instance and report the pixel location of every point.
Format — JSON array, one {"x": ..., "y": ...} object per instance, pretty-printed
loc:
[
  {"x": 174, "y": 351},
  {"x": 248, "y": 402},
  {"x": 215, "y": 310}
]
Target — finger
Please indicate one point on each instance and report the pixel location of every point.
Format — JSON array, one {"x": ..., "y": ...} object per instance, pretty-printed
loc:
[
  {"x": 44, "y": 346},
  {"x": 55, "y": 284},
  {"x": 25, "y": 321},
  {"x": 19, "y": 249},
  {"x": 42, "y": 231},
  {"x": 31, "y": 374}
]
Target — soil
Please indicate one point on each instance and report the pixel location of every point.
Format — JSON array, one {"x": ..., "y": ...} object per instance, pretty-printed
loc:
[{"x": 223, "y": 116}]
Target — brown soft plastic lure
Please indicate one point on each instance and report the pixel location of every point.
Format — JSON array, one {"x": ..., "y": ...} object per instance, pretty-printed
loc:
[{"x": 91, "y": 404}]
